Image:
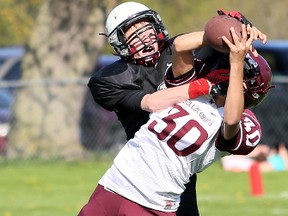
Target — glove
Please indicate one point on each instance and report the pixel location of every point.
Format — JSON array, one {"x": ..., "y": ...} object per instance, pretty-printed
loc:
[
  {"x": 199, "y": 87},
  {"x": 235, "y": 14},
  {"x": 203, "y": 87}
]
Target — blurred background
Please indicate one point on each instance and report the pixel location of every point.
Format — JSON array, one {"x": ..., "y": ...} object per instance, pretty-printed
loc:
[{"x": 48, "y": 51}]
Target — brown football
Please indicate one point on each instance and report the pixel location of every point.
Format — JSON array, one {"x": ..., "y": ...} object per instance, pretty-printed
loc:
[{"x": 219, "y": 26}]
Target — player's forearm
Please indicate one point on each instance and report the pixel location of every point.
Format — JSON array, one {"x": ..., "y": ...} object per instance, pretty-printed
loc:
[
  {"x": 234, "y": 104},
  {"x": 164, "y": 98},
  {"x": 188, "y": 42},
  {"x": 183, "y": 45}
]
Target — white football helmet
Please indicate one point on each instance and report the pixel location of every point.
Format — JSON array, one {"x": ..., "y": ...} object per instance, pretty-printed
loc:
[{"x": 121, "y": 18}]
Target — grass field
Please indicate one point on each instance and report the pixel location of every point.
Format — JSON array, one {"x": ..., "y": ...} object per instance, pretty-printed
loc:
[{"x": 38, "y": 188}]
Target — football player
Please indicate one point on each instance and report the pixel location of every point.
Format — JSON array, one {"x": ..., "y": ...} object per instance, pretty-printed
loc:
[
  {"x": 128, "y": 87},
  {"x": 149, "y": 174}
]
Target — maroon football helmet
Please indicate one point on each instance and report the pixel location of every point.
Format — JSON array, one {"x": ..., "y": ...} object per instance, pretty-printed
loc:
[
  {"x": 257, "y": 79},
  {"x": 256, "y": 82}
]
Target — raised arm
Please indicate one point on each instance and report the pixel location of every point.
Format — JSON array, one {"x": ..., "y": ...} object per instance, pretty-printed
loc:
[
  {"x": 234, "y": 104},
  {"x": 183, "y": 46},
  {"x": 182, "y": 62}
]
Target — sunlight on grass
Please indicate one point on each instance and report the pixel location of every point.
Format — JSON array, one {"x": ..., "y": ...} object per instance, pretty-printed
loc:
[{"x": 40, "y": 188}]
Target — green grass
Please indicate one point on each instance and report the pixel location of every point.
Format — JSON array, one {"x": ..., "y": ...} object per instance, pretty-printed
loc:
[
  {"x": 38, "y": 188},
  {"x": 226, "y": 193}
]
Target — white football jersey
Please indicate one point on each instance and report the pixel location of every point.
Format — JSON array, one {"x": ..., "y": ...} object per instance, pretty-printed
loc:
[{"x": 153, "y": 167}]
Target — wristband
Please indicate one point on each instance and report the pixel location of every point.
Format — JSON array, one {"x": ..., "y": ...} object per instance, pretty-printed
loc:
[{"x": 198, "y": 88}]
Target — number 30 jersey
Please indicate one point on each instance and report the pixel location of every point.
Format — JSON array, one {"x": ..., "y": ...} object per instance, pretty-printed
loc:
[{"x": 153, "y": 167}]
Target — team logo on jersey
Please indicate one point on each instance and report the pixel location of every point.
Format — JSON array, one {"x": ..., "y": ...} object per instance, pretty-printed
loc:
[
  {"x": 168, "y": 66},
  {"x": 169, "y": 204},
  {"x": 161, "y": 86}
]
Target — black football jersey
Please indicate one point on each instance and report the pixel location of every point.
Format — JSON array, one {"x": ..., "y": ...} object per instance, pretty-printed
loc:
[{"x": 120, "y": 87}]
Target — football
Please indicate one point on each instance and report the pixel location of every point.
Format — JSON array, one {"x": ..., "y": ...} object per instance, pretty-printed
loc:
[{"x": 219, "y": 26}]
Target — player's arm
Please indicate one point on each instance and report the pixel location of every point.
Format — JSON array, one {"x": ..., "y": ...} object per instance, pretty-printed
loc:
[
  {"x": 182, "y": 63},
  {"x": 241, "y": 131},
  {"x": 165, "y": 98},
  {"x": 234, "y": 104},
  {"x": 182, "y": 55},
  {"x": 247, "y": 138}
]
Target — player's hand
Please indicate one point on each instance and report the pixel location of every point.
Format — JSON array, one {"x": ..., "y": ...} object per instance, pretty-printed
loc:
[
  {"x": 257, "y": 35},
  {"x": 241, "y": 46},
  {"x": 239, "y": 16}
]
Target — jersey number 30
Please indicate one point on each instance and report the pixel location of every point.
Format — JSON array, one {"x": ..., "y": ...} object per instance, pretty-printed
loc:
[{"x": 178, "y": 135}]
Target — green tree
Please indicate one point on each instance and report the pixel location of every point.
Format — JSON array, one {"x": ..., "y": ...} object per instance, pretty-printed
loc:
[
  {"x": 16, "y": 20},
  {"x": 63, "y": 46},
  {"x": 17, "y": 17}
]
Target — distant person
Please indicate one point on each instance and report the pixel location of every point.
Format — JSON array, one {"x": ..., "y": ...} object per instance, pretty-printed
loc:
[{"x": 268, "y": 158}]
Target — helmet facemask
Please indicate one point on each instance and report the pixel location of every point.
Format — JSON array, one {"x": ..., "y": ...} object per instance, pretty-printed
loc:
[
  {"x": 122, "y": 45},
  {"x": 139, "y": 41}
]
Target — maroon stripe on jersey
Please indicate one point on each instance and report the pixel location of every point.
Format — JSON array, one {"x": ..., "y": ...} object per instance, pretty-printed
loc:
[{"x": 170, "y": 81}]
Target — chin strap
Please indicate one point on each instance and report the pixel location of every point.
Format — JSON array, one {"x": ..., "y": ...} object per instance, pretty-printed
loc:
[{"x": 148, "y": 61}]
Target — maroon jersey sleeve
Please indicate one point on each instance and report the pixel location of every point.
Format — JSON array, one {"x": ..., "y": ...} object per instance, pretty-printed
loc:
[
  {"x": 205, "y": 61},
  {"x": 247, "y": 138},
  {"x": 170, "y": 81}
]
